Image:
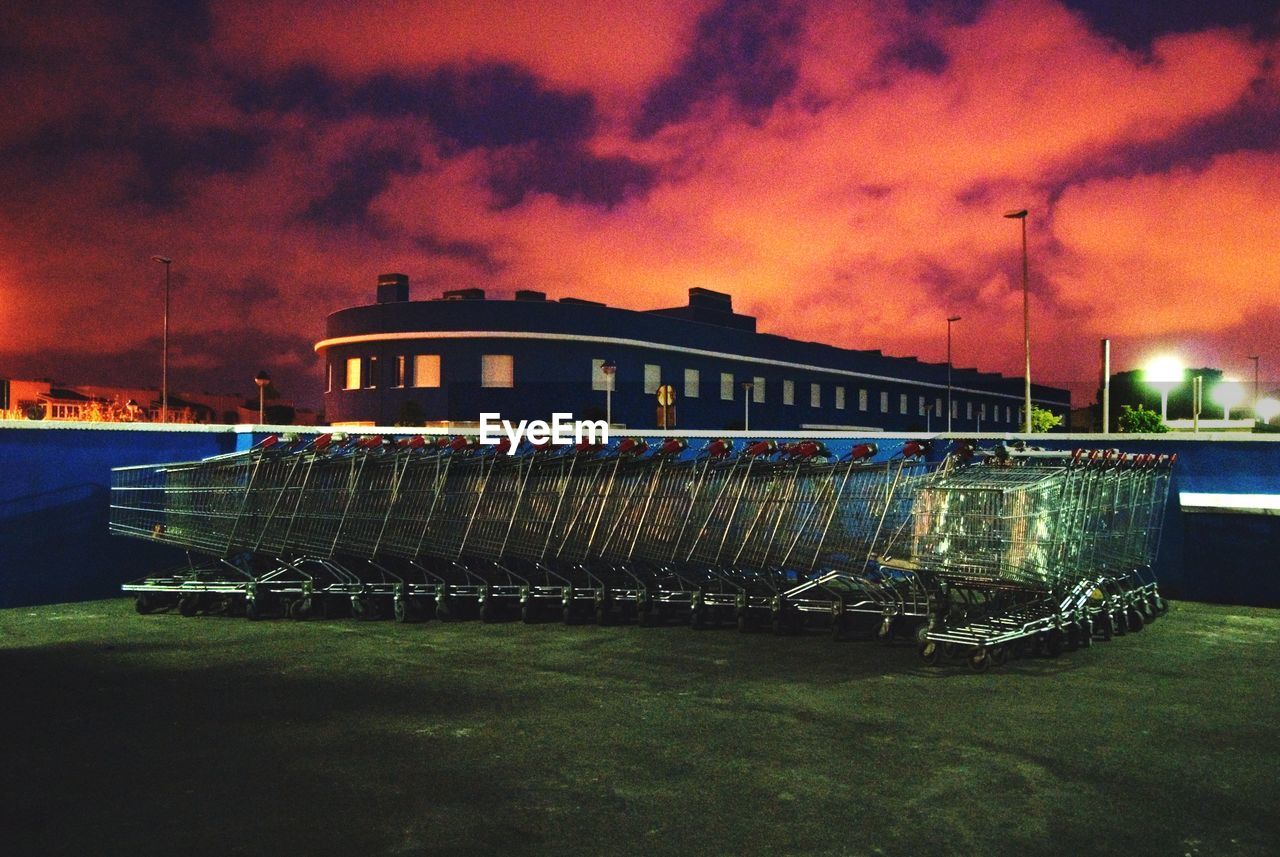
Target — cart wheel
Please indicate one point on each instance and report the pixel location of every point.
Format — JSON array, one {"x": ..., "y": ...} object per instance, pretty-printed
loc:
[
  {"x": 1148, "y": 612},
  {"x": 529, "y": 612},
  {"x": 931, "y": 652},
  {"x": 1119, "y": 623},
  {"x": 744, "y": 622},
  {"x": 838, "y": 628},
  {"x": 300, "y": 609},
  {"x": 567, "y": 614},
  {"x": 488, "y": 611},
  {"x": 885, "y": 630},
  {"x": 252, "y": 609},
  {"x": 1054, "y": 640},
  {"x": 1135, "y": 619},
  {"x": 1085, "y": 633},
  {"x": 602, "y": 613},
  {"x": 145, "y": 603},
  {"x": 359, "y": 608},
  {"x": 189, "y": 605},
  {"x": 403, "y": 610},
  {"x": 444, "y": 609},
  {"x": 999, "y": 655},
  {"x": 1106, "y": 627},
  {"x": 1162, "y": 606},
  {"x": 698, "y": 618},
  {"x": 950, "y": 650},
  {"x": 979, "y": 660},
  {"x": 1071, "y": 637}
]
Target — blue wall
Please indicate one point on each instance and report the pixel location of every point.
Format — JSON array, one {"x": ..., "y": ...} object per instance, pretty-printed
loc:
[{"x": 54, "y": 492}]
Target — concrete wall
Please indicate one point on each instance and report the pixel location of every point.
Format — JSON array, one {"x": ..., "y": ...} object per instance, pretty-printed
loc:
[{"x": 55, "y": 479}]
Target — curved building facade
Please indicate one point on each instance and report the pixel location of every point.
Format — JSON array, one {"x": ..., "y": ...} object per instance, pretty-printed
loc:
[{"x": 452, "y": 358}]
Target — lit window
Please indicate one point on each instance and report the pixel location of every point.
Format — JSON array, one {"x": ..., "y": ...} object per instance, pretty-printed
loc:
[
  {"x": 599, "y": 380},
  {"x": 1008, "y": 414},
  {"x": 982, "y": 412},
  {"x": 955, "y": 409},
  {"x": 839, "y": 398},
  {"x": 968, "y": 410},
  {"x": 352, "y": 381},
  {"x": 652, "y": 378},
  {"x": 937, "y": 407},
  {"x": 328, "y": 383},
  {"x": 884, "y": 402},
  {"x": 862, "y": 399},
  {"x": 726, "y": 386},
  {"x": 426, "y": 370},
  {"x": 399, "y": 371},
  {"x": 371, "y": 376},
  {"x": 902, "y": 403},
  {"x": 920, "y": 411},
  {"x": 757, "y": 390},
  {"x": 788, "y": 392},
  {"x": 497, "y": 370},
  {"x": 692, "y": 381}
]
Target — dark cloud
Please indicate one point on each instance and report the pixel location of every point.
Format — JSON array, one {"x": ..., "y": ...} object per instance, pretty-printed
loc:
[
  {"x": 1136, "y": 24},
  {"x": 470, "y": 252},
  {"x": 744, "y": 50},
  {"x": 301, "y": 87},
  {"x": 917, "y": 53},
  {"x": 572, "y": 175},
  {"x": 355, "y": 181}
]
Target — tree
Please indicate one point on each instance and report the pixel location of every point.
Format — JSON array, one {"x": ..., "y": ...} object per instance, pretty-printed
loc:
[
  {"x": 1140, "y": 421},
  {"x": 1043, "y": 419}
]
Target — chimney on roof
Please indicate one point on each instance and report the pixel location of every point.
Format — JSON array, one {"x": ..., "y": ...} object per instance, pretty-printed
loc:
[
  {"x": 393, "y": 288},
  {"x": 463, "y": 295}
]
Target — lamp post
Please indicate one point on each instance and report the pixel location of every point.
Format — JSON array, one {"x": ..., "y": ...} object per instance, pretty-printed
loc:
[
  {"x": 950, "y": 320},
  {"x": 747, "y": 388},
  {"x": 164, "y": 359},
  {"x": 262, "y": 379},
  {"x": 610, "y": 369},
  {"x": 1228, "y": 394},
  {"x": 1021, "y": 214},
  {"x": 1254, "y": 358},
  {"x": 1165, "y": 373}
]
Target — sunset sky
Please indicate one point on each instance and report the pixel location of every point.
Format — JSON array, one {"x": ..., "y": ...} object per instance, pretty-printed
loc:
[{"x": 840, "y": 168}]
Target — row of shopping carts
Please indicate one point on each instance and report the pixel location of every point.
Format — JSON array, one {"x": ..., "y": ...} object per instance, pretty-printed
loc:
[{"x": 967, "y": 552}]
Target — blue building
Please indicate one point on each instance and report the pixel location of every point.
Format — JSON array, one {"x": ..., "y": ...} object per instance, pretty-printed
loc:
[{"x": 454, "y": 357}]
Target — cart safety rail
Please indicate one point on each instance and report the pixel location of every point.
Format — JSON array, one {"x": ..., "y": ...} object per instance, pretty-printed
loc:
[{"x": 980, "y": 553}]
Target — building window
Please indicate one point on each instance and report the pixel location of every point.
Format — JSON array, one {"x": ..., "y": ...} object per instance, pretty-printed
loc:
[
  {"x": 968, "y": 410},
  {"x": 788, "y": 392},
  {"x": 862, "y": 399},
  {"x": 1008, "y": 414},
  {"x": 921, "y": 407},
  {"x": 599, "y": 380},
  {"x": 937, "y": 407},
  {"x": 371, "y": 376},
  {"x": 982, "y": 412},
  {"x": 352, "y": 381},
  {"x": 839, "y": 398},
  {"x": 652, "y": 378},
  {"x": 692, "y": 381},
  {"x": 955, "y": 409},
  {"x": 757, "y": 390},
  {"x": 726, "y": 386},
  {"x": 884, "y": 402},
  {"x": 426, "y": 370},
  {"x": 328, "y": 383},
  {"x": 815, "y": 395},
  {"x": 399, "y": 382},
  {"x": 497, "y": 370},
  {"x": 902, "y": 403}
]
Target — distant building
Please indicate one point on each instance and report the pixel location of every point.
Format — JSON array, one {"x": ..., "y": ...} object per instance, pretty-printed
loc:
[
  {"x": 449, "y": 359},
  {"x": 48, "y": 400}
]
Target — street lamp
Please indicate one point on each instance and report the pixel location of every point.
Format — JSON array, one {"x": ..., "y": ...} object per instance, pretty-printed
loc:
[
  {"x": 950, "y": 320},
  {"x": 1228, "y": 395},
  {"x": 164, "y": 360},
  {"x": 1021, "y": 215},
  {"x": 262, "y": 379},
  {"x": 747, "y": 388},
  {"x": 1254, "y": 358},
  {"x": 1164, "y": 373},
  {"x": 610, "y": 369}
]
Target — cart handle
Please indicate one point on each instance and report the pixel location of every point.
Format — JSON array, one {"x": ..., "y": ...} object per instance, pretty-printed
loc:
[
  {"x": 760, "y": 447},
  {"x": 863, "y": 452},
  {"x": 673, "y": 446},
  {"x": 719, "y": 448},
  {"x": 915, "y": 448}
]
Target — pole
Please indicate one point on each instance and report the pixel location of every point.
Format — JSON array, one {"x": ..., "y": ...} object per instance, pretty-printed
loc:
[
  {"x": 1106, "y": 386},
  {"x": 1197, "y": 388},
  {"x": 950, "y": 319},
  {"x": 1026, "y": 328},
  {"x": 746, "y": 406},
  {"x": 262, "y": 405},
  {"x": 608, "y": 402},
  {"x": 1255, "y": 380}
]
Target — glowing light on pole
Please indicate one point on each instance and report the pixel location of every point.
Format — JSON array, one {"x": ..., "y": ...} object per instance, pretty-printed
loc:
[
  {"x": 1228, "y": 395},
  {"x": 1021, "y": 215},
  {"x": 164, "y": 360},
  {"x": 262, "y": 379},
  {"x": 1267, "y": 409},
  {"x": 1164, "y": 373}
]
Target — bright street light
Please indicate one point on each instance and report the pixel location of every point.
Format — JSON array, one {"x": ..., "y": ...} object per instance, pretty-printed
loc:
[
  {"x": 1267, "y": 409},
  {"x": 1164, "y": 373},
  {"x": 1228, "y": 394}
]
